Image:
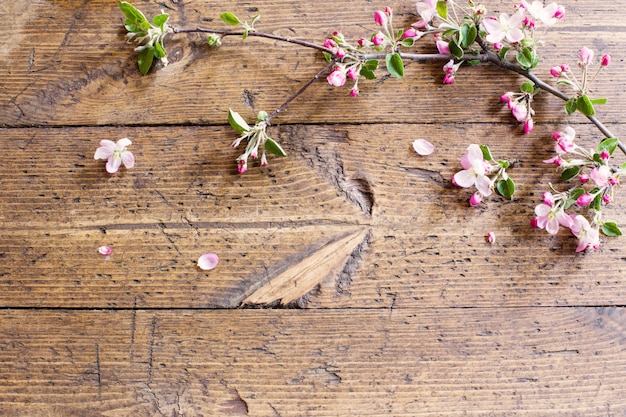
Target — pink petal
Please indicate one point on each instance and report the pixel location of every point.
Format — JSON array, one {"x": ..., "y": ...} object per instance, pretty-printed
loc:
[
  {"x": 483, "y": 185},
  {"x": 465, "y": 178},
  {"x": 113, "y": 164},
  {"x": 128, "y": 159},
  {"x": 423, "y": 147},
  {"x": 123, "y": 143},
  {"x": 208, "y": 261},
  {"x": 105, "y": 150},
  {"x": 105, "y": 250}
]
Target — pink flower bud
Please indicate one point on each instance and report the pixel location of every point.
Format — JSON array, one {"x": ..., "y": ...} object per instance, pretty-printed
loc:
[
  {"x": 380, "y": 18},
  {"x": 491, "y": 237},
  {"x": 409, "y": 33},
  {"x": 337, "y": 78},
  {"x": 454, "y": 182},
  {"x": 606, "y": 60},
  {"x": 443, "y": 47},
  {"x": 585, "y": 55},
  {"x": 330, "y": 44},
  {"x": 565, "y": 67},
  {"x": 340, "y": 53},
  {"x": 352, "y": 73},
  {"x": 605, "y": 155},
  {"x": 556, "y": 71},
  {"x": 506, "y": 97},
  {"x": 534, "y": 223},
  {"x": 557, "y": 135},
  {"x": 528, "y": 126},
  {"x": 498, "y": 46},
  {"x": 606, "y": 198},
  {"x": 584, "y": 200},
  {"x": 519, "y": 111},
  {"x": 263, "y": 160},
  {"x": 242, "y": 167},
  {"x": 105, "y": 250},
  {"x": 548, "y": 198},
  {"x": 613, "y": 181},
  {"x": 448, "y": 79},
  {"x": 388, "y": 11},
  {"x": 363, "y": 42},
  {"x": 354, "y": 92},
  {"x": 583, "y": 178},
  {"x": 559, "y": 13},
  {"x": 378, "y": 39},
  {"x": 475, "y": 199}
]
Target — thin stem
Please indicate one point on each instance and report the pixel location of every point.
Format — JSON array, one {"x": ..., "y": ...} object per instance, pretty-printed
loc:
[{"x": 283, "y": 106}]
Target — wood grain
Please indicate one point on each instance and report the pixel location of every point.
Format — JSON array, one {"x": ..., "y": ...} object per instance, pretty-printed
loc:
[
  {"x": 354, "y": 280},
  {"x": 401, "y": 362}
]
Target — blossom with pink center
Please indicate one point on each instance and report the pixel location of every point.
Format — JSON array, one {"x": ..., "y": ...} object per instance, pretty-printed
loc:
[
  {"x": 550, "y": 217},
  {"x": 505, "y": 27},
  {"x": 208, "y": 261},
  {"x": 600, "y": 175},
  {"x": 337, "y": 78},
  {"x": 423, "y": 147},
  {"x": 474, "y": 172},
  {"x": 116, "y": 154},
  {"x": 559, "y": 13},
  {"x": 545, "y": 14},
  {"x": 588, "y": 236},
  {"x": 564, "y": 140},
  {"x": 519, "y": 110}
]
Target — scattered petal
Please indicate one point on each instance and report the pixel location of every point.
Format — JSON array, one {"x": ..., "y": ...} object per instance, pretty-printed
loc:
[
  {"x": 491, "y": 237},
  {"x": 105, "y": 250},
  {"x": 423, "y": 147},
  {"x": 208, "y": 261}
]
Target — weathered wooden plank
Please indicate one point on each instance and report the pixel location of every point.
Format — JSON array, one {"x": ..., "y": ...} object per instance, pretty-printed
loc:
[
  {"x": 184, "y": 198},
  {"x": 477, "y": 362},
  {"x": 69, "y": 65}
]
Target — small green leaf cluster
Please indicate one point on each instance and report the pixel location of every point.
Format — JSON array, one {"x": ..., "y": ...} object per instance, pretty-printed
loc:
[
  {"x": 232, "y": 20},
  {"x": 149, "y": 35},
  {"x": 256, "y": 137},
  {"x": 583, "y": 104},
  {"x": 504, "y": 184}
]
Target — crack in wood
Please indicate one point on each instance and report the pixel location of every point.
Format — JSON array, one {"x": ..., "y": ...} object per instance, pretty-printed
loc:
[{"x": 305, "y": 275}]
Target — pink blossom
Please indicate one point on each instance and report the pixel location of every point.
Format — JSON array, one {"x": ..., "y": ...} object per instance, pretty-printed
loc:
[
  {"x": 545, "y": 14},
  {"x": 475, "y": 173},
  {"x": 116, "y": 154},
  {"x": 556, "y": 160},
  {"x": 559, "y": 13},
  {"x": 519, "y": 111},
  {"x": 242, "y": 167},
  {"x": 564, "y": 140},
  {"x": 491, "y": 237},
  {"x": 548, "y": 198},
  {"x": 556, "y": 71},
  {"x": 337, "y": 78},
  {"x": 498, "y": 46},
  {"x": 208, "y": 261},
  {"x": 565, "y": 67},
  {"x": 352, "y": 73},
  {"x": 427, "y": 9},
  {"x": 380, "y": 18},
  {"x": 443, "y": 47},
  {"x": 475, "y": 199},
  {"x": 605, "y": 61},
  {"x": 105, "y": 250},
  {"x": 528, "y": 126},
  {"x": 505, "y": 27},
  {"x": 448, "y": 79},
  {"x": 588, "y": 237},
  {"x": 354, "y": 92},
  {"x": 409, "y": 33},
  {"x": 583, "y": 178},
  {"x": 606, "y": 198},
  {"x": 550, "y": 217},
  {"x": 423, "y": 147},
  {"x": 600, "y": 175},
  {"x": 378, "y": 39},
  {"x": 584, "y": 200},
  {"x": 605, "y": 155},
  {"x": 585, "y": 55},
  {"x": 506, "y": 97}
]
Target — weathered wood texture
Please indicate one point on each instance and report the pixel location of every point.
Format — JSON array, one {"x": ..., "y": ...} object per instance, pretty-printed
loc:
[{"x": 354, "y": 280}]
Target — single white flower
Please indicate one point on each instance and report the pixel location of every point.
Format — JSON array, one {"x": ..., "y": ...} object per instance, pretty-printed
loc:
[{"x": 116, "y": 154}]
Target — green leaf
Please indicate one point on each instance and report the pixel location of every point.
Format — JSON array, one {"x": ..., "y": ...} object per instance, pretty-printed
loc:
[
  {"x": 504, "y": 164},
  {"x": 571, "y": 105},
  {"x": 159, "y": 50},
  {"x": 575, "y": 193},
  {"x": 230, "y": 19},
  {"x": 608, "y": 144},
  {"x": 597, "y": 203},
  {"x": 599, "y": 101},
  {"x": 327, "y": 56},
  {"x": 160, "y": 20},
  {"x": 442, "y": 9},
  {"x": 584, "y": 105},
  {"x": 133, "y": 15},
  {"x": 371, "y": 64},
  {"x": 502, "y": 53},
  {"x": 237, "y": 122},
  {"x": 467, "y": 35},
  {"x": 273, "y": 147},
  {"x": 486, "y": 152},
  {"x": 506, "y": 188},
  {"x": 395, "y": 65},
  {"x": 408, "y": 42},
  {"x": 367, "y": 73},
  {"x": 527, "y": 58},
  {"x": 611, "y": 229},
  {"x": 146, "y": 56},
  {"x": 528, "y": 87},
  {"x": 255, "y": 19},
  {"x": 570, "y": 173},
  {"x": 455, "y": 49}
]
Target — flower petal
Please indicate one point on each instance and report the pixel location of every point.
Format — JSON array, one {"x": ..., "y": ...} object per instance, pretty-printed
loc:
[
  {"x": 123, "y": 143},
  {"x": 208, "y": 261},
  {"x": 113, "y": 164},
  {"x": 105, "y": 250},
  {"x": 105, "y": 150},
  {"x": 128, "y": 159},
  {"x": 423, "y": 147},
  {"x": 465, "y": 178},
  {"x": 483, "y": 185}
]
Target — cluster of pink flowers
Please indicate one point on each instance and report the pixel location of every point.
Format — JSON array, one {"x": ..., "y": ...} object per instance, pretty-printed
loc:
[
  {"x": 564, "y": 75},
  {"x": 520, "y": 105},
  {"x": 596, "y": 181},
  {"x": 480, "y": 172}
]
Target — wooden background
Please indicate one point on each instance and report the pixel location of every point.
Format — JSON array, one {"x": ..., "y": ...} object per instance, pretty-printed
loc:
[{"x": 354, "y": 280}]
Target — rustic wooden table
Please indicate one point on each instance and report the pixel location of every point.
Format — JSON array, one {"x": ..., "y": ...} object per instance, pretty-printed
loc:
[{"x": 374, "y": 291}]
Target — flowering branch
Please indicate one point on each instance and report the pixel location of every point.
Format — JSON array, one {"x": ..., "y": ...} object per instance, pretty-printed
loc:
[{"x": 463, "y": 35}]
